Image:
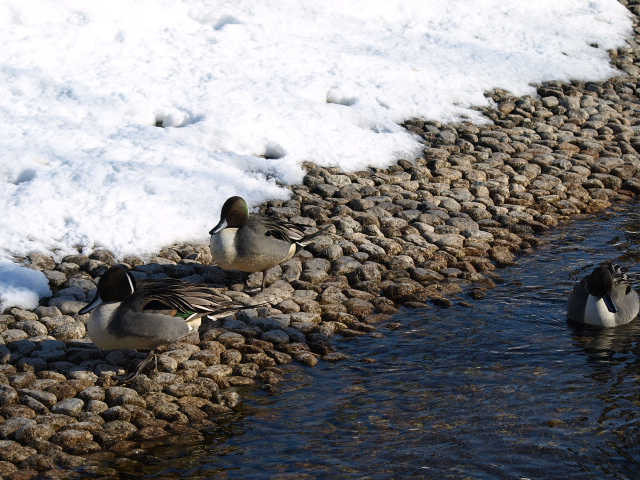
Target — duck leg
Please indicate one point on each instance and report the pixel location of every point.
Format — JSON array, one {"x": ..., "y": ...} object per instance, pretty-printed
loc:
[
  {"x": 132, "y": 376},
  {"x": 264, "y": 279},
  {"x": 253, "y": 290}
]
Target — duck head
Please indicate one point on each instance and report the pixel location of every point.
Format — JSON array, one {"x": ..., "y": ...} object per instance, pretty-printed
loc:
[
  {"x": 115, "y": 285},
  {"x": 234, "y": 214},
  {"x": 600, "y": 285}
]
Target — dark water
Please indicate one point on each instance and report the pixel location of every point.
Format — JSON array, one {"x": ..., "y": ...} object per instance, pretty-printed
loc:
[{"x": 505, "y": 389}]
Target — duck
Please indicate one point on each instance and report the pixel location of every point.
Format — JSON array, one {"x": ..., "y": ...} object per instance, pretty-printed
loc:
[
  {"x": 254, "y": 243},
  {"x": 145, "y": 314},
  {"x": 603, "y": 298}
]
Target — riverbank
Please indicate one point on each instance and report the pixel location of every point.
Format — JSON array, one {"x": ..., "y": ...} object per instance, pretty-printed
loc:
[{"x": 431, "y": 229}]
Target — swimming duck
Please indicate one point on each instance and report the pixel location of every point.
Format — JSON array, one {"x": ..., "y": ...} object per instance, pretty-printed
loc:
[
  {"x": 603, "y": 298},
  {"x": 145, "y": 314},
  {"x": 254, "y": 243}
]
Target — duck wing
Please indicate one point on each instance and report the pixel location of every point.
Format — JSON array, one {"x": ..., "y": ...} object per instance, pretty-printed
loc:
[
  {"x": 186, "y": 298},
  {"x": 619, "y": 277},
  {"x": 284, "y": 230},
  {"x": 624, "y": 296}
]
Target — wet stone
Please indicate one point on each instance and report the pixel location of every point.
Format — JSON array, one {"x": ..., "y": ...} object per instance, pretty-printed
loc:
[
  {"x": 229, "y": 399},
  {"x": 307, "y": 359},
  {"x": 359, "y": 308}
]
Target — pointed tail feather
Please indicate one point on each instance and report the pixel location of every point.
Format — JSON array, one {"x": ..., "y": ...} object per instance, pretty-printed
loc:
[{"x": 306, "y": 240}]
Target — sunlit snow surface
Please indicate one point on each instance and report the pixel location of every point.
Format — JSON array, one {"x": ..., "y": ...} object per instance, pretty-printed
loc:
[
  {"x": 21, "y": 286},
  {"x": 244, "y": 92}
]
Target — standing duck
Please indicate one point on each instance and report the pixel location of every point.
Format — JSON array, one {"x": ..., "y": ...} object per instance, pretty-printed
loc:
[
  {"x": 146, "y": 314},
  {"x": 603, "y": 298},
  {"x": 254, "y": 243}
]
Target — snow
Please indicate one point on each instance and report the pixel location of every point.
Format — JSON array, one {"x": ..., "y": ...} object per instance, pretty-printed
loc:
[
  {"x": 21, "y": 287},
  {"x": 244, "y": 92}
]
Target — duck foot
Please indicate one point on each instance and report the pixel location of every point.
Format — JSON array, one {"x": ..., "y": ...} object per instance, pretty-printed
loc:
[
  {"x": 254, "y": 290},
  {"x": 141, "y": 366}
]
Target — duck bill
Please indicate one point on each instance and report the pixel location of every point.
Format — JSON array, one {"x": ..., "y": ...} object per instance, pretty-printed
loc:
[
  {"x": 91, "y": 305},
  {"x": 608, "y": 301},
  {"x": 219, "y": 227}
]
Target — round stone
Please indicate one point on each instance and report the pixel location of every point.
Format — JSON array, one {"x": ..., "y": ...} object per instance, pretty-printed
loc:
[{"x": 277, "y": 337}]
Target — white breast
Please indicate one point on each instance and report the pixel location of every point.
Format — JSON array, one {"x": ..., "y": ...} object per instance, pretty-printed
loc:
[
  {"x": 223, "y": 249},
  {"x": 597, "y": 313},
  {"x": 98, "y": 324}
]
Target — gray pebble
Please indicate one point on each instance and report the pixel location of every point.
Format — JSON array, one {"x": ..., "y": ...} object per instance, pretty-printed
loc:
[
  {"x": 277, "y": 337},
  {"x": 13, "y": 452},
  {"x": 33, "y": 431},
  {"x": 21, "y": 315},
  {"x": 69, "y": 331},
  {"x": 69, "y": 406},
  {"x": 12, "y": 425}
]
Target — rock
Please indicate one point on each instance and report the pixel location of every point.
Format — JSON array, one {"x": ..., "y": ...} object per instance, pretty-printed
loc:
[
  {"x": 230, "y": 339},
  {"x": 10, "y": 411},
  {"x": 96, "y": 406},
  {"x": 31, "y": 432},
  {"x": 13, "y": 452},
  {"x": 12, "y": 425},
  {"x": 363, "y": 273},
  {"x": 114, "y": 431},
  {"x": 69, "y": 331},
  {"x": 277, "y": 337},
  {"x": 7, "y": 395},
  {"x": 116, "y": 413},
  {"x": 37, "y": 462},
  {"x": 229, "y": 399},
  {"x": 360, "y": 308},
  {"x": 189, "y": 389},
  {"x": 67, "y": 305},
  {"x": 69, "y": 406},
  {"x": 21, "y": 315},
  {"x": 307, "y": 359},
  {"x": 33, "y": 404},
  {"x": 7, "y": 468},
  {"x": 75, "y": 441},
  {"x": 46, "y": 398}
]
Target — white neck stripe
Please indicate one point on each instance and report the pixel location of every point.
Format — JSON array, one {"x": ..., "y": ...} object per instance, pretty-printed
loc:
[{"x": 130, "y": 282}]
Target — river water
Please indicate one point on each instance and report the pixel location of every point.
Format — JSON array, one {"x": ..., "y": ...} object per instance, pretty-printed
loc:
[{"x": 504, "y": 389}]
